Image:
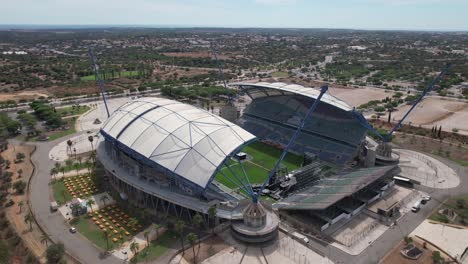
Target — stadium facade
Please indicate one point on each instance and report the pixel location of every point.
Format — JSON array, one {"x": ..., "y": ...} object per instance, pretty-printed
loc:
[{"x": 164, "y": 154}]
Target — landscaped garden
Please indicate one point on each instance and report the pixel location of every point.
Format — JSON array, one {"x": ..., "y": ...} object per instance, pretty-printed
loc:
[
  {"x": 108, "y": 227},
  {"x": 78, "y": 186}
]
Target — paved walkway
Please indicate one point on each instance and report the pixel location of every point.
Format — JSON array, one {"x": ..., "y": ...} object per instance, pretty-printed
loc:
[
  {"x": 65, "y": 209},
  {"x": 427, "y": 170},
  {"x": 61, "y": 152}
]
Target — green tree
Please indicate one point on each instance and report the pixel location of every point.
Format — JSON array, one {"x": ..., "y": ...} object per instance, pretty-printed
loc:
[
  {"x": 90, "y": 203},
  {"x": 191, "y": 237},
  {"x": 106, "y": 237},
  {"x": 20, "y": 173},
  {"x": 436, "y": 258},
  {"x": 146, "y": 235},
  {"x": 28, "y": 218},
  {"x": 461, "y": 203},
  {"x": 197, "y": 220},
  {"x": 19, "y": 186},
  {"x": 179, "y": 227},
  {"x": 212, "y": 215},
  {"x": 45, "y": 239},
  {"x": 54, "y": 253},
  {"x": 20, "y": 205},
  {"x": 104, "y": 198},
  {"x": 156, "y": 227},
  {"x": 134, "y": 248}
]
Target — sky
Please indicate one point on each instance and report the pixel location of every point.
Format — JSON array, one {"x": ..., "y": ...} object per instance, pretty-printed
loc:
[{"x": 351, "y": 14}]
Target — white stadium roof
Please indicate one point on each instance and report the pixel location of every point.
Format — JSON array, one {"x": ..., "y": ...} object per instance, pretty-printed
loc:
[
  {"x": 185, "y": 139},
  {"x": 297, "y": 89}
]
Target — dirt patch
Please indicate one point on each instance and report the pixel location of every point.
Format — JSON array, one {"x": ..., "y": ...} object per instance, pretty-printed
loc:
[
  {"x": 26, "y": 95},
  {"x": 14, "y": 215},
  {"x": 208, "y": 248},
  {"x": 436, "y": 111}
]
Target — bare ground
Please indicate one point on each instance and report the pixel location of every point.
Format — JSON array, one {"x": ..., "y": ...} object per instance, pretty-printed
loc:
[
  {"x": 208, "y": 248},
  {"x": 15, "y": 217}
]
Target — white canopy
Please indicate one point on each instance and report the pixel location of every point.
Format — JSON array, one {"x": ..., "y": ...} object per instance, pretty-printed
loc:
[
  {"x": 185, "y": 139},
  {"x": 296, "y": 89}
]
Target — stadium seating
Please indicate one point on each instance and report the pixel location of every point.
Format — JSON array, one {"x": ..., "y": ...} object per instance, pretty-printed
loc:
[{"x": 332, "y": 134}]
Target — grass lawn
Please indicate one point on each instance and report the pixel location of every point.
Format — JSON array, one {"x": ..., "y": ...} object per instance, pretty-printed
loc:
[
  {"x": 86, "y": 226},
  {"x": 88, "y": 229},
  {"x": 263, "y": 159},
  {"x": 279, "y": 74},
  {"x": 158, "y": 247},
  {"x": 463, "y": 163},
  {"x": 62, "y": 133},
  {"x": 122, "y": 74},
  {"x": 58, "y": 188},
  {"x": 72, "y": 110}
]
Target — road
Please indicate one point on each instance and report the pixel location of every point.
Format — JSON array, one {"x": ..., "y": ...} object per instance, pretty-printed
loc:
[{"x": 53, "y": 223}]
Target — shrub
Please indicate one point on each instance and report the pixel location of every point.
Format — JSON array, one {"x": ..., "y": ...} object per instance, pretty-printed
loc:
[{"x": 19, "y": 186}]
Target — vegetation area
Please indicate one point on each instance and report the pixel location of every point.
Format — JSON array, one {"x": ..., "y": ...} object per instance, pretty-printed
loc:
[
  {"x": 157, "y": 247},
  {"x": 47, "y": 113},
  {"x": 453, "y": 211},
  {"x": 72, "y": 110},
  {"x": 8, "y": 126}
]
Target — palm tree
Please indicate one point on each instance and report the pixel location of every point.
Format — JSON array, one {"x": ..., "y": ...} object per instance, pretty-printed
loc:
[
  {"x": 106, "y": 237},
  {"x": 90, "y": 203},
  {"x": 20, "y": 205},
  {"x": 69, "y": 144},
  {"x": 134, "y": 247},
  {"x": 45, "y": 239},
  {"x": 146, "y": 235},
  {"x": 91, "y": 138},
  {"x": 68, "y": 163},
  {"x": 212, "y": 214},
  {"x": 156, "y": 227},
  {"x": 77, "y": 168},
  {"x": 74, "y": 208},
  {"x": 179, "y": 227},
  {"x": 62, "y": 170},
  {"x": 28, "y": 218},
  {"x": 197, "y": 220},
  {"x": 103, "y": 199},
  {"x": 191, "y": 237},
  {"x": 93, "y": 157},
  {"x": 133, "y": 221},
  {"x": 53, "y": 172},
  {"x": 57, "y": 166}
]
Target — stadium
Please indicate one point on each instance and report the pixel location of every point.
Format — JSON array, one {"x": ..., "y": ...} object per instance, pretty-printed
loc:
[{"x": 180, "y": 159}]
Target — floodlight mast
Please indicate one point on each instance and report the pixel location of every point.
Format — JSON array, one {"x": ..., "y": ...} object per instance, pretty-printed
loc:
[
  {"x": 323, "y": 90},
  {"x": 98, "y": 79},
  {"x": 220, "y": 69},
  {"x": 428, "y": 89},
  {"x": 385, "y": 138}
]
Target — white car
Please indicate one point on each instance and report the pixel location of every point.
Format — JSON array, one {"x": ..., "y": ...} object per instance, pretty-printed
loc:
[
  {"x": 72, "y": 230},
  {"x": 426, "y": 198}
]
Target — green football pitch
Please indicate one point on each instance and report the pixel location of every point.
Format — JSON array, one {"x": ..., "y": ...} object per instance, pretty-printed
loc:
[{"x": 263, "y": 159}]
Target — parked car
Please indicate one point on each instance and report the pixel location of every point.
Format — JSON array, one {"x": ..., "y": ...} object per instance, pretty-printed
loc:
[
  {"x": 426, "y": 198},
  {"x": 72, "y": 230},
  {"x": 416, "y": 207}
]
